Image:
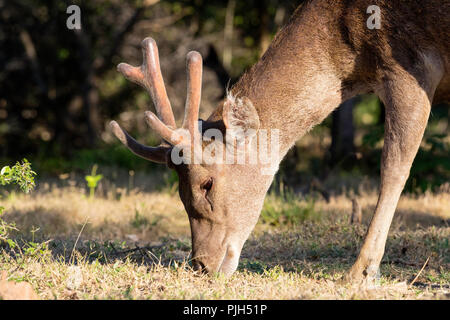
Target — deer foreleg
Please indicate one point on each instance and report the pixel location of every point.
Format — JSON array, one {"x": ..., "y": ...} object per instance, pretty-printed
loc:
[{"x": 407, "y": 110}]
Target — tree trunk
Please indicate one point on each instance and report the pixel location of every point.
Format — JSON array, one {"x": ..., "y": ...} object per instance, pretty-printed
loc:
[
  {"x": 343, "y": 133},
  {"x": 228, "y": 34},
  {"x": 264, "y": 27}
]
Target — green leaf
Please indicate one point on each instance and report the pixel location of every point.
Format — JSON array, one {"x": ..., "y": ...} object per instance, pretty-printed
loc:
[
  {"x": 93, "y": 180},
  {"x": 11, "y": 243},
  {"x": 5, "y": 170}
]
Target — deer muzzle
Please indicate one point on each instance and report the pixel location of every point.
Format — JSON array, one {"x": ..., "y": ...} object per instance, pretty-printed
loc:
[
  {"x": 225, "y": 263},
  {"x": 214, "y": 248}
]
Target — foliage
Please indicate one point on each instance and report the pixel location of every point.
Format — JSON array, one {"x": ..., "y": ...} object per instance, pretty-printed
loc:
[
  {"x": 6, "y": 228},
  {"x": 22, "y": 175}
]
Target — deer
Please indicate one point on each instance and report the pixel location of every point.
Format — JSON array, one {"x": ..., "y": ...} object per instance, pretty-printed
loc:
[{"x": 323, "y": 56}]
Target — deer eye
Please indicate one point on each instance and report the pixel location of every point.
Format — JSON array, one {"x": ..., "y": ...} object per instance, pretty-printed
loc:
[{"x": 207, "y": 185}]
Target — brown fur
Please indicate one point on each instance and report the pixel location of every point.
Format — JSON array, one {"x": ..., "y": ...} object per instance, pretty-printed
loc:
[
  {"x": 322, "y": 57},
  {"x": 326, "y": 55}
]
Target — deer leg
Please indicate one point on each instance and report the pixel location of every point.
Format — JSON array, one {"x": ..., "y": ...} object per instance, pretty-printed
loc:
[{"x": 407, "y": 110}]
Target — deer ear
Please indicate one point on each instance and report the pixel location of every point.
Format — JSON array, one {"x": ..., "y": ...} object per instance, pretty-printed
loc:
[{"x": 240, "y": 117}]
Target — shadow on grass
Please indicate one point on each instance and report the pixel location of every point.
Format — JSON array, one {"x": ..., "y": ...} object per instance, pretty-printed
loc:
[{"x": 320, "y": 250}]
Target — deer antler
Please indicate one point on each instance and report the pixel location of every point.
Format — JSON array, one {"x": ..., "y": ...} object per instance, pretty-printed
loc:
[
  {"x": 148, "y": 75},
  {"x": 194, "y": 89},
  {"x": 155, "y": 154}
]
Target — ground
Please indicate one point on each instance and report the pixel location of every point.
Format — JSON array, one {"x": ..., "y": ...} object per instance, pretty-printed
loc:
[{"x": 131, "y": 244}]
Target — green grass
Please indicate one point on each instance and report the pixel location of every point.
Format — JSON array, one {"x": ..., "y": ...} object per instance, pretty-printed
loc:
[{"x": 288, "y": 209}]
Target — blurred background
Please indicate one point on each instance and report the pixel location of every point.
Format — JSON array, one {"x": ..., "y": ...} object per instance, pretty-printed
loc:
[{"x": 59, "y": 89}]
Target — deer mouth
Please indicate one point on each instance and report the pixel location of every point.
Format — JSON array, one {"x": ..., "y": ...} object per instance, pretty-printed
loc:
[{"x": 199, "y": 266}]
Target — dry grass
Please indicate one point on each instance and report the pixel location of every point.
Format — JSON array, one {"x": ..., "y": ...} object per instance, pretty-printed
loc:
[{"x": 136, "y": 246}]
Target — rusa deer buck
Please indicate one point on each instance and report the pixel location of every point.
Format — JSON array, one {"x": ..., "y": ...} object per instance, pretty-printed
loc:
[{"x": 325, "y": 55}]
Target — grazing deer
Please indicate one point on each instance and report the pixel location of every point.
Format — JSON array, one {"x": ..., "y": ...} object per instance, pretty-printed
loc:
[{"x": 325, "y": 55}]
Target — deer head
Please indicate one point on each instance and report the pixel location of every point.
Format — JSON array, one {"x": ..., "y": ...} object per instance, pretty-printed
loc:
[{"x": 223, "y": 198}]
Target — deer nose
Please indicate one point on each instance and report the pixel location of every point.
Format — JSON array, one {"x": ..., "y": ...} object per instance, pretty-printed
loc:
[{"x": 199, "y": 266}]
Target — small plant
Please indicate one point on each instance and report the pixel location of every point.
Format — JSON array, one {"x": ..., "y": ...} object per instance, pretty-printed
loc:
[
  {"x": 273, "y": 273},
  {"x": 22, "y": 175},
  {"x": 5, "y": 228},
  {"x": 93, "y": 180},
  {"x": 139, "y": 220}
]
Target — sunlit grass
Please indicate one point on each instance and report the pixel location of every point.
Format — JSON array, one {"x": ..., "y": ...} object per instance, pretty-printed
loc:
[{"x": 137, "y": 246}]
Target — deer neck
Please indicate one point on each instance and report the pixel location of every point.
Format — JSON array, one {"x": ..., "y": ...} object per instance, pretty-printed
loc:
[{"x": 296, "y": 84}]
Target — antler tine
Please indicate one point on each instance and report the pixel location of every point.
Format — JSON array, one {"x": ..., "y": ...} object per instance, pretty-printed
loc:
[
  {"x": 194, "y": 89},
  {"x": 162, "y": 129},
  {"x": 155, "y": 154},
  {"x": 149, "y": 76}
]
